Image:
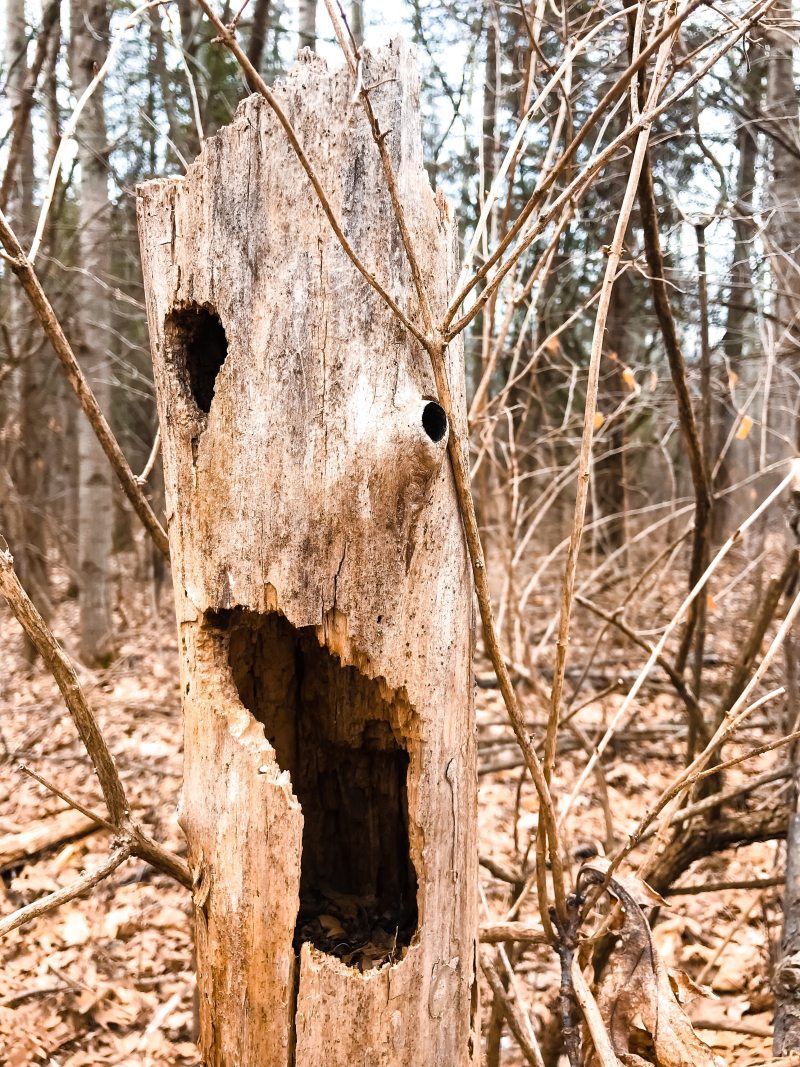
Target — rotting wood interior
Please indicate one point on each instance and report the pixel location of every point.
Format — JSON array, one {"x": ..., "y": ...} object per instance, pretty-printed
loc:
[{"x": 332, "y": 729}]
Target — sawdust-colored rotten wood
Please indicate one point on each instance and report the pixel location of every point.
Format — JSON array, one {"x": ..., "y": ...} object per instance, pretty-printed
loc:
[{"x": 311, "y": 490}]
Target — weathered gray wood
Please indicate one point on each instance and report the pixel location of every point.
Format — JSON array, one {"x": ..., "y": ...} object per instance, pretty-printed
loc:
[{"x": 322, "y": 586}]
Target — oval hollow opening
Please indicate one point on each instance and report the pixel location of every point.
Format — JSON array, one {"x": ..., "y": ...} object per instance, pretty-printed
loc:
[
  {"x": 198, "y": 347},
  {"x": 434, "y": 421},
  {"x": 332, "y": 729}
]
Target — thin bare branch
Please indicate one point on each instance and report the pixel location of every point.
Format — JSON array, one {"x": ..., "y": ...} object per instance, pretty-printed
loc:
[
  {"x": 531, "y": 1052},
  {"x": 64, "y": 674},
  {"x": 523, "y": 933},
  {"x": 23, "y": 269},
  {"x": 22, "y": 114},
  {"x": 75, "y": 889},
  {"x": 677, "y": 367},
  {"x": 67, "y": 680}
]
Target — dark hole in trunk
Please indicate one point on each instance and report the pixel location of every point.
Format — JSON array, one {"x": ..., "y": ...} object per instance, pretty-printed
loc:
[
  {"x": 198, "y": 347},
  {"x": 331, "y": 729},
  {"x": 434, "y": 421}
]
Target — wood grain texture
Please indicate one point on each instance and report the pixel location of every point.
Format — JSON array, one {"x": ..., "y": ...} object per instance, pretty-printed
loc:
[{"x": 323, "y": 590}]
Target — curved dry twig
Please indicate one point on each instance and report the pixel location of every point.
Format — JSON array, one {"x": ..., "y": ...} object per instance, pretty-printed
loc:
[{"x": 69, "y": 892}]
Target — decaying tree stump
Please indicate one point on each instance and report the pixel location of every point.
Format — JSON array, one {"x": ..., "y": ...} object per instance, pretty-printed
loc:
[{"x": 322, "y": 587}]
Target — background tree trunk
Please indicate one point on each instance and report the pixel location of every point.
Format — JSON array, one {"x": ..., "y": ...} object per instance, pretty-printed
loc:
[
  {"x": 741, "y": 298},
  {"x": 490, "y": 101},
  {"x": 89, "y": 26},
  {"x": 357, "y": 21},
  {"x": 783, "y": 202},
  {"x": 307, "y": 24},
  {"x": 323, "y": 591},
  {"x": 611, "y": 474},
  {"x": 258, "y": 35},
  {"x": 25, "y": 432}
]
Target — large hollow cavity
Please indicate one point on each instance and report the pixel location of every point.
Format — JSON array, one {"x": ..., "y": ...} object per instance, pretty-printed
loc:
[
  {"x": 198, "y": 347},
  {"x": 334, "y": 730}
]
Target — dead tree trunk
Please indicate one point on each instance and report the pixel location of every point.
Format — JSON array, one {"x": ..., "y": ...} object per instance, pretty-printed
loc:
[{"x": 322, "y": 586}]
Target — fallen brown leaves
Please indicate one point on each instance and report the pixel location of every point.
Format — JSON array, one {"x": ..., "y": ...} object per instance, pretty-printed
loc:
[
  {"x": 716, "y": 937},
  {"x": 108, "y": 979},
  {"x": 636, "y": 995}
]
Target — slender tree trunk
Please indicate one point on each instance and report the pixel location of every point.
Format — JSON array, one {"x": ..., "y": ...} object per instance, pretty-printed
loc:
[
  {"x": 190, "y": 19},
  {"x": 20, "y": 210},
  {"x": 786, "y": 979},
  {"x": 490, "y": 69},
  {"x": 258, "y": 35},
  {"x": 161, "y": 73},
  {"x": 25, "y": 435},
  {"x": 741, "y": 303},
  {"x": 706, "y": 430},
  {"x": 784, "y": 194},
  {"x": 90, "y": 33},
  {"x": 610, "y": 472},
  {"x": 485, "y": 497},
  {"x": 193, "y": 32},
  {"x": 63, "y": 455},
  {"x": 16, "y": 73},
  {"x": 50, "y": 90},
  {"x": 307, "y": 24},
  {"x": 357, "y": 21}
]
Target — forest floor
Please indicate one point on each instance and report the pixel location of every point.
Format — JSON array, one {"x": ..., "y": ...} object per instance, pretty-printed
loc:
[{"x": 108, "y": 979}]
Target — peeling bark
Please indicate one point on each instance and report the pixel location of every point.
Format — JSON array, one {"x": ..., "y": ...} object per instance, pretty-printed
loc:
[{"x": 322, "y": 586}]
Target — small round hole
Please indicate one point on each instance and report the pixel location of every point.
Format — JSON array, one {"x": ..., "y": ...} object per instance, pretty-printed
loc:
[{"x": 434, "y": 421}]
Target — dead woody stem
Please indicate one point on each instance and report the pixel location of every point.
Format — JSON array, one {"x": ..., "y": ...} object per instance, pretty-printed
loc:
[
  {"x": 21, "y": 266},
  {"x": 126, "y": 829}
]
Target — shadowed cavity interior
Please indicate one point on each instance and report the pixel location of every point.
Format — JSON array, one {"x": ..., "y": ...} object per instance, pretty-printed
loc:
[
  {"x": 332, "y": 729},
  {"x": 198, "y": 347}
]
